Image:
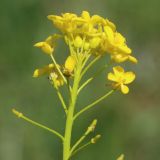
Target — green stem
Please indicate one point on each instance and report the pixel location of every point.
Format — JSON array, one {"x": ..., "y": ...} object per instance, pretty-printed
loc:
[
  {"x": 70, "y": 114},
  {"x": 84, "y": 84},
  {"x": 59, "y": 71},
  {"x": 61, "y": 100},
  {"x": 80, "y": 148},
  {"x": 90, "y": 79},
  {"x": 20, "y": 115},
  {"x": 93, "y": 104},
  {"x": 80, "y": 140},
  {"x": 89, "y": 65}
]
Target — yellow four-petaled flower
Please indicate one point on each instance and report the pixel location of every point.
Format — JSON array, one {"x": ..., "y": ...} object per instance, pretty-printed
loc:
[{"x": 120, "y": 79}]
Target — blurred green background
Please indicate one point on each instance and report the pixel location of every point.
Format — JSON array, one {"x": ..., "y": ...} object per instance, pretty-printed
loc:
[{"x": 129, "y": 124}]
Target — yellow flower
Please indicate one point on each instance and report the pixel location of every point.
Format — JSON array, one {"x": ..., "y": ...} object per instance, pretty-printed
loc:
[
  {"x": 91, "y": 21},
  {"x": 50, "y": 70},
  {"x": 67, "y": 23},
  {"x": 116, "y": 41},
  {"x": 115, "y": 44},
  {"x": 46, "y": 46},
  {"x": 93, "y": 24},
  {"x": 121, "y": 78},
  {"x": 121, "y": 157}
]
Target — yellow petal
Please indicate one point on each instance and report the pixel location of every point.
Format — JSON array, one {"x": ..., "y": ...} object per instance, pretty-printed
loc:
[
  {"x": 51, "y": 17},
  {"x": 124, "y": 89},
  {"x": 132, "y": 59},
  {"x": 39, "y": 72},
  {"x": 112, "y": 77},
  {"x": 47, "y": 48},
  {"x": 118, "y": 71},
  {"x": 129, "y": 77},
  {"x": 85, "y": 15},
  {"x": 39, "y": 44},
  {"x": 111, "y": 24},
  {"x": 70, "y": 63},
  {"x": 49, "y": 40},
  {"x": 96, "y": 19},
  {"x": 36, "y": 73},
  {"x": 121, "y": 157},
  {"x": 119, "y": 58},
  {"x": 119, "y": 39},
  {"x": 110, "y": 34},
  {"x": 125, "y": 49}
]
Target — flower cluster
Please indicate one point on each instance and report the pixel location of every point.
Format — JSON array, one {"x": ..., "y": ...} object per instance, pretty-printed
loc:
[
  {"x": 89, "y": 39},
  {"x": 93, "y": 33},
  {"x": 85, "y": 35}
]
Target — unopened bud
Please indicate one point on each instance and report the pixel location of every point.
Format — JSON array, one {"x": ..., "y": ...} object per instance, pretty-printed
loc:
[
  {"x": 94, "y": 42},
  {"x": 95, "y": 139},
  {"x": 18, "y": 114},
  {"x": 86, "y": 46},
  {"x": 92, "y": 126},
  {"x": 78, "y": 42}
]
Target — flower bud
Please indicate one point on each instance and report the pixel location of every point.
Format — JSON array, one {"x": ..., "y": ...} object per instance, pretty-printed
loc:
[
  {"x": 94, "y": 42},
  {"x": 18, "y": 114},
  {"x": 78, "y": 42},
  {"x": 70, "y": 63},
  {"x": 46, "y": 48},
  {"x": 95, "y": 139},
  {"x": 86, "y": 46},
  {"x": 92, "y": 126}
]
